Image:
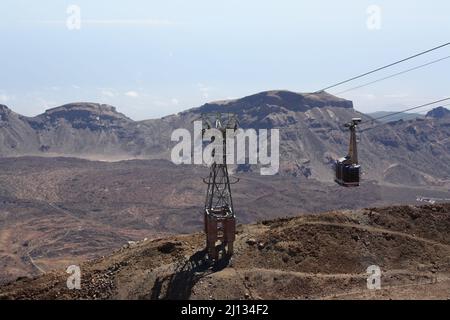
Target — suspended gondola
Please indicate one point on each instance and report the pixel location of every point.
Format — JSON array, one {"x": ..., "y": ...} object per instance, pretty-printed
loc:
[{"x": 348, "y": 170}]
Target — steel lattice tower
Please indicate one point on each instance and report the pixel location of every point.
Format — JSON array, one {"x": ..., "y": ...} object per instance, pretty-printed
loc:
[{"x": 219, "y": 215}]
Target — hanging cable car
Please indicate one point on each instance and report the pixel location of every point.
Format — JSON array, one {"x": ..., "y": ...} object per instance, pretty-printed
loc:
[{"x": 348, "y": 171}]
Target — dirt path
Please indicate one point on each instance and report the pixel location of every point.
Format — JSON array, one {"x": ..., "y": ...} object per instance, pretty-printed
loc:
[
  {"x": 33, "y": 263},
  {"x": 388, "y": 289},
  {"x": 336, "y": 275}
]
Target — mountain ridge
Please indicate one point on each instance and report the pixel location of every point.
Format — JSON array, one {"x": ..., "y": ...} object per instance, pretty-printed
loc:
[
  {"x": 311, "y": 133},
  {"x": 439, "y": 112}
]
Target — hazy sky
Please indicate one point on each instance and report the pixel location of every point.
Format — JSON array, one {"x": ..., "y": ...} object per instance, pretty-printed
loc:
[{"x": 153, "y": 58}]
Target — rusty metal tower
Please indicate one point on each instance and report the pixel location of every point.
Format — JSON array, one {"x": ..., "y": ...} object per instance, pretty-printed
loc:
[{"x": 219, "y": 215}]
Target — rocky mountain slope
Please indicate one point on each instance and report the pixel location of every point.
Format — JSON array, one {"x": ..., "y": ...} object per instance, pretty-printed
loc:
[
  {"x": 85, "y": 130},
  {"x": 323, "y": 256},
  {"x": 389, "y": 116},
  {"x": 311, "y": 133},
  {"x": 438, "y": 113}
]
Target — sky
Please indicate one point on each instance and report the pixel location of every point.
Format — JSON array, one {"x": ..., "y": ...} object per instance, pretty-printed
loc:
[{"x": 154, "y": 58}]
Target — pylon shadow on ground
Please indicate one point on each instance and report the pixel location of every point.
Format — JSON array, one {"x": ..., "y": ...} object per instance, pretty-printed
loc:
[{"x": 179, "y": 284}]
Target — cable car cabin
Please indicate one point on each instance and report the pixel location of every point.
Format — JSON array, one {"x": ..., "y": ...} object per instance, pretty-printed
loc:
[
  {"x": 347, "y": 174},
  {"x": 348, "y": 171}
]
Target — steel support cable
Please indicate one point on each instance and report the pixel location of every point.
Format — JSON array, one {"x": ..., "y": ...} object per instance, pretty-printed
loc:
[
  {"x": 402, "y": 111},
  {"x": 393, "y": 75},
  {"x": 382, "y": 68}
]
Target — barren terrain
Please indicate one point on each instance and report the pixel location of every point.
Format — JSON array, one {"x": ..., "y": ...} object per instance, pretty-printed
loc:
[
  {"x": 55, "y": 212},
  {"x": 322, "y": 256}
]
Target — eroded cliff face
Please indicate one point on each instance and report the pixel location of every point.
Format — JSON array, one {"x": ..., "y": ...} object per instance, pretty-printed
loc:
[
  {"x": 90, "y": 129},
  {"x": 311, "y": 135}
]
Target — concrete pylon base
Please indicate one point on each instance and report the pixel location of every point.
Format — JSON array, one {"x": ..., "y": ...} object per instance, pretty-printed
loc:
[{"x": 221, "y": 229}]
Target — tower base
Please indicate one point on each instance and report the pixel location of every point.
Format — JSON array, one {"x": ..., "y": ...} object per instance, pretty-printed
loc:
[{"x": 219, "y": 228}]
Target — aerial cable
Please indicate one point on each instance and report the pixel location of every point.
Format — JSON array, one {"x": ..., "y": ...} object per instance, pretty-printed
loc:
[
  {"x": 393, "y": 75},
  {"x": 383, "y": 67},
  {"x": 399, "y": 112}
]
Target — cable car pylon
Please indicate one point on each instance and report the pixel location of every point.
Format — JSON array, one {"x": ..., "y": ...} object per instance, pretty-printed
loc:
[{"x": 219, "y": 215}]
